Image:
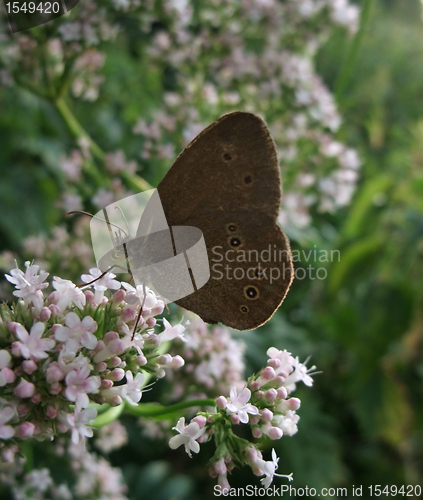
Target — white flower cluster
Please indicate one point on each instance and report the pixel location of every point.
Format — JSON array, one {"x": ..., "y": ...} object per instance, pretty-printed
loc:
[
  {"x": 63, "y": 352},
  {"x": 264, "y": 404}
]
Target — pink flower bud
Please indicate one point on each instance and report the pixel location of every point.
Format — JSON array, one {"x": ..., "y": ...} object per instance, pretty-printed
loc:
[
  {"x": 271, "y": 394},
  {"x": 118, "y": 296},
  {"x": 45, "y": 314},
  {"x": 25, "y": 430},
  {"x": 221, "y": 402},
  {"x": 201, "y": 421},
  {"x": 255, "y": 385},
  {"x": 53, "y": 297},
  {"x": 16, "y": 349},
  {"x": 36, "y": 398},
  {"x": 22, "y": 409},
  {"x": 115, "y": 361},
  {"x": 152, "y": 339},
  {"x": 89, "y": 296},
  {"x": 294, "y": 403},
  {"x": 268, "y": 373},
  {"x": 55, "y": 310},
  {"x": 24, "y": 389},
  {"x": 220, "y": 467},
  {"x": 260, "y": 394},
  {"x": 115, "y": 400},
  {"x": 116, "y": 346},
  {"x": 116, "y": 375},
  {"x": 158, "y": 309},
  {"x": 55, "y": 388},
  {"x": 51, "y": 412},
  {"x": 165, "y": 359},
  {"x": 13, "y": 327},
  {"x": 146, "y": 312},
  {"x": 254, "y": 419},
  {"x": 279, "y": 380},
  {"x": 54, "y": 373},
  {"x": 257, "y": 433},
  {"x": 203, "y": 438},
  {"x": 274, "y": 363},
  {"x": 29, "y": 366},
  {"x": 275, "y": 433},
  {"x": 128, "y": 315},
  {"x": 282, "y": 393},
  {"x": 101, "y": 367},
  {"x": 111, "y": 336},
  {"x": 100, "y": 346},
  {"x": 8, "y": 374},
  {"x": 266, "y": 415},
  {"x": 251, "y": 454},
  {"x": 104, "y": 301},
  {"x": 106, "y": 384},
  {"x": 177, "y": 362},
  {"x": 235, "y": 419},
  {"x": 151, "y": 322},
  {"x": 141, "y": 360}
]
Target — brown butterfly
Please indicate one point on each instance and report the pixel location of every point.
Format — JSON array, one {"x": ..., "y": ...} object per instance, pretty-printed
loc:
[
  {"x": 227, "y": 183},
  {"x": 225, "y": 186}
]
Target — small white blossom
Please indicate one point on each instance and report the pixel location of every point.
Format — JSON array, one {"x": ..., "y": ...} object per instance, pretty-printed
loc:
[
  {"x": 101, "y": 285},
  {"x": 238, "y": 404},
  {"x": 32, "y": 345},
  {"x": 77, "y": 332},
  {"x": 29, "y": 284},
  {"x": 268, "y": 468},
  {"x": 172, "y": 332},
  {"x": 187, "y": 436},
  {"x": 77, "y": 423},
  {"x": 131, "y": 391},
  {"x": 68, "y": 293}
]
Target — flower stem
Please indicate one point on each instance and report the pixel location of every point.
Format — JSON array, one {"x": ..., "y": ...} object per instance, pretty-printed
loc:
[
  {"x": 133, "y": 181},
  {"x": 76, "y": 128},
  {"x": 156, "y": 410},
  {"x": 107, "y": 416}
]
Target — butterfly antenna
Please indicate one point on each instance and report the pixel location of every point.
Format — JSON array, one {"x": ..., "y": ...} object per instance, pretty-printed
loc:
[
  {"x": 103, "y": 274},
  {"x": 81, "y": 212},
  {"x": 167, "y": 309},
  {"x": 140, "y": 311}
]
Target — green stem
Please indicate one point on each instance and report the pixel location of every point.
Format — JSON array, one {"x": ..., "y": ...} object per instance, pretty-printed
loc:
[
  {"x": 108, "y": 416},
  {"x": 155, "y": 410},
  {"x": 349, "y": 62},
  {"x": 133, "y": 181},
  {"x": 76, "y": 128}
]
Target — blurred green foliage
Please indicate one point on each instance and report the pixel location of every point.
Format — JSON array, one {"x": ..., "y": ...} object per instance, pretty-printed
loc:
[{"x": 362, "y": 423}]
